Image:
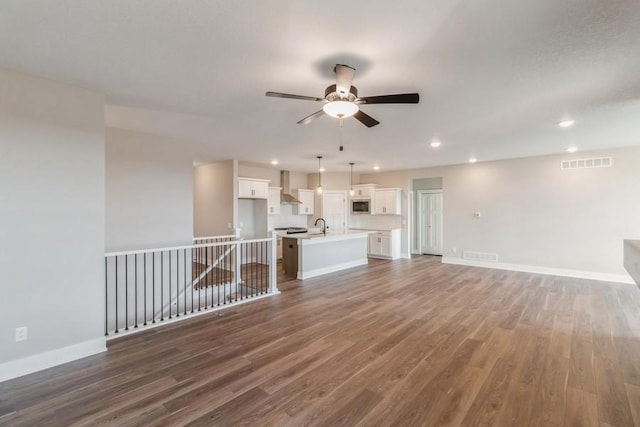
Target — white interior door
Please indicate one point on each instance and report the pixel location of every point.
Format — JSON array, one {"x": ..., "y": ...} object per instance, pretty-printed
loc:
[
  {"x": 430, "y": 216},
  {"x": 334, "y": 210}
]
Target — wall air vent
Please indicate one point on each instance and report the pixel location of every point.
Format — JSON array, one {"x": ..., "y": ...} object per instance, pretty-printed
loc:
[
  {"x": 595, "y": 162},
  {"x": 480, "y": 256}
]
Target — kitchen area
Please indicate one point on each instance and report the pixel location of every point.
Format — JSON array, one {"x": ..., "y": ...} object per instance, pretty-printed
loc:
[{"x": 308, "y": 244}]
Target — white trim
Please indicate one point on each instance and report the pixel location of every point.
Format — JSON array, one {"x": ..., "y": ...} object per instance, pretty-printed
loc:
[
  {"x": 254, "y": 179},
  {"x": 48, "y": 359},
  {"x": 167, "y": 321},
  {"x": 332, "y": 269},
  {"x": 173, "y": 248},
  {"x": 376, "y": 256},
  {"x": 579, "y": 274},
  {"x": 411, "y": 225},
  {"x": 345, "y": 206},
  {"x": 419, "y": 207},
  {"x": 405, "y": 255}
]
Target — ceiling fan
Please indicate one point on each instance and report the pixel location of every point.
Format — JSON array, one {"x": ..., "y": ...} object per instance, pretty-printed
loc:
[{"x": 341, "y": 99}]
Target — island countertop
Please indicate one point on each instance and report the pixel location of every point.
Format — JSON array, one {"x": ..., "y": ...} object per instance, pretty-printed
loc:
[{"x": 308, "y": 238}]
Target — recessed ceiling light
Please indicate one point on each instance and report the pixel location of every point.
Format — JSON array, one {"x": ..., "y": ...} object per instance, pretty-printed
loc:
[
  {"x": 321, "y": 170},
  {"x": 376, "y": 168},
  {"x": 566, "y": 123},
  {"x": 572, "y": 149},
  {"x": 435, "y": 144},
  {"x": 274, "y": 162},
  {"x": 472, "y": 160}
]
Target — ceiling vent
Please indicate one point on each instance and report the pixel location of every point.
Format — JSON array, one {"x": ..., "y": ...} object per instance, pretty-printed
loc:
[{"x": 594, "y": 162}]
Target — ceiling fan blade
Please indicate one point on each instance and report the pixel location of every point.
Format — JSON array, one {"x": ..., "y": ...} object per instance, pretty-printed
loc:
[
  {"x": 400, "y": 98},
  {"x": 290, "y": 96},
  {"x": 311, "y": 117},
  {"x": 365, "y": 119},
  {"x": 344, "y": 78}
]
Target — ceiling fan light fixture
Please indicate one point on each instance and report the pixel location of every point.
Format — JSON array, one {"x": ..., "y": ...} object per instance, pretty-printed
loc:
[{"x": 340, "y": 109}]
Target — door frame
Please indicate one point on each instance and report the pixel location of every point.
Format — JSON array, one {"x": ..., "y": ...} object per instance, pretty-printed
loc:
[
  {"x": 421, "y": 219},
  {"x": 345, "y": 210}
]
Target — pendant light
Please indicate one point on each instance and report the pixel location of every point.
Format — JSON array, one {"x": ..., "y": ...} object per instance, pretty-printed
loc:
[
  {"x": 319, "y": 188},
  {"x": 351, "y": 191}
]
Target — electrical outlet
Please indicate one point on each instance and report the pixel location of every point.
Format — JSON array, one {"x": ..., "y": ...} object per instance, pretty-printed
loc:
[
  {"x": 21, "y": 333},
  {"x": 454, "y": 250}
]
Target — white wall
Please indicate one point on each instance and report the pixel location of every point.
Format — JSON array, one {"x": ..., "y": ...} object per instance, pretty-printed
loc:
[
  {"x": 214, "y": 199},
  {"x": 535, "y": 214},
  {"x": 149, "y": 191},
  {"x": 375, "y": 222},
  {"x": 51, "y": 222}
]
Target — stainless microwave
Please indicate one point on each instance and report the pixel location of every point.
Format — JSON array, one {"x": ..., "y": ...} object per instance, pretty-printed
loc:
[{"x": 361, "y": 206}]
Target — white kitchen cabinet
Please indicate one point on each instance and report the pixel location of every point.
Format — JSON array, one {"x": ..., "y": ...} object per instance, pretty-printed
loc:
[
  {"x": 363, "y": 191},
  {"x": 250, "y": 188},
  {"x": 387, "y": 201},
  {"x": 384, "y": 244},
  {"x": 273, "y": 203},
  {"x": 307, "y": 199}
]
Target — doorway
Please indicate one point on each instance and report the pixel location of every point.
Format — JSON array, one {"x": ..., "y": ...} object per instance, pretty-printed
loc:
[
  {"x": 430, "y": 222},
  {"x": 334, "y": 210}
]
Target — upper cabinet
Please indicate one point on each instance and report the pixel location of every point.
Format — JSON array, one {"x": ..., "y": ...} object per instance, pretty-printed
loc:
[
  {"x": 273, "y": 205},
  {"x": 387, "y": 201},
  {"x": 363, "y": 191},
  {"x": 307, "y": 199},
  {"x": 250, "y": 188}
]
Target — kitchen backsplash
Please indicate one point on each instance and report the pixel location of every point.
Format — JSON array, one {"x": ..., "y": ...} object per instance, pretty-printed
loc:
[
  {"x": 287, "y": 218},
  {"x": 375, "y": 222}
]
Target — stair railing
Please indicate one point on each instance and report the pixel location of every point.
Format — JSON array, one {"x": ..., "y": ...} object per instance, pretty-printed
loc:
[{"x": 154, "y": 286}]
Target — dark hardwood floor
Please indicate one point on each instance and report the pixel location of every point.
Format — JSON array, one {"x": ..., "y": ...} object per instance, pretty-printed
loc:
[{"x": 408, "y": 342}]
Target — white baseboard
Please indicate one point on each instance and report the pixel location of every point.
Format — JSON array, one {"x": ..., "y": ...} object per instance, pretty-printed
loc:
[
  {"x": 332, "y": 269},
  {"x": 49, "y": 359},
  {"x": 579, "y": 274}
]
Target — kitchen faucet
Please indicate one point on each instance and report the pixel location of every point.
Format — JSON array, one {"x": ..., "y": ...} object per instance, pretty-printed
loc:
[{"x": 324, "y": 225}]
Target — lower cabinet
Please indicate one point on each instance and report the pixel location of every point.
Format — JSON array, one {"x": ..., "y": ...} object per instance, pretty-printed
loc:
[{"x": 384, "y": 244}]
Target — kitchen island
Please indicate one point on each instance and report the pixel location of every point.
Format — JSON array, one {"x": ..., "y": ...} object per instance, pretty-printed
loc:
[{"x": 309, "y": 255}]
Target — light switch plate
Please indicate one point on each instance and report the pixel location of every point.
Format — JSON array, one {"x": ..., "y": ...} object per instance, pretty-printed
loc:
[{"x": 21, "y": 334}]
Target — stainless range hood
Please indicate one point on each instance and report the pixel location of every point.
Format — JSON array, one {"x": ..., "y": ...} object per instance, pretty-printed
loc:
[{"x": 285, "y": 194}]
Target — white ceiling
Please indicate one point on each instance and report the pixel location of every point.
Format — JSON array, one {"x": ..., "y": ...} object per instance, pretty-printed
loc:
[{"x": 494, "y": 76}]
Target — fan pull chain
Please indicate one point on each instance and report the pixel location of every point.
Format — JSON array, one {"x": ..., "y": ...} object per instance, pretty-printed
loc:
[{"x": 340, "y": 125}]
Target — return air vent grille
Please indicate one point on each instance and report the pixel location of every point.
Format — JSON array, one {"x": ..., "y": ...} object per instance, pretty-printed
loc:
[
  {"x": 595, "y": 162},
  {"x": 480, "y": 256}
]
